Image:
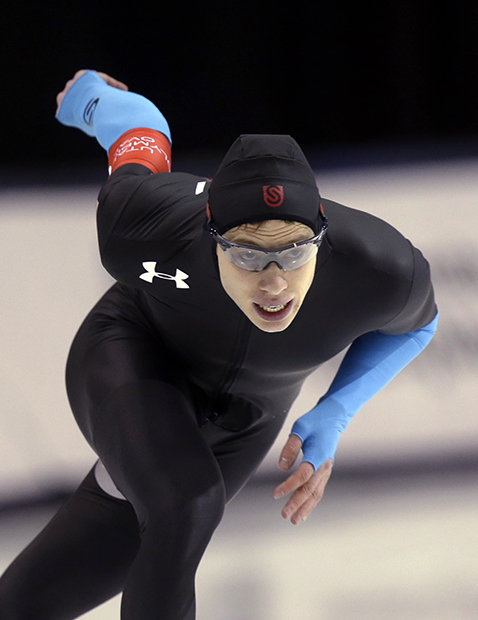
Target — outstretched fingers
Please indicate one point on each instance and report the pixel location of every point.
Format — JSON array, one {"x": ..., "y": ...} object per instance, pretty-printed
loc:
[{"x": 307, "y": 490}]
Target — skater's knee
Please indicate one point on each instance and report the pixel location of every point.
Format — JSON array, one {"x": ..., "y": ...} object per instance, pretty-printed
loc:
[
  {"x": 200, "y": 509},
  {"x": 211, "y": 504},
  {"x": 184, "y": 531}
]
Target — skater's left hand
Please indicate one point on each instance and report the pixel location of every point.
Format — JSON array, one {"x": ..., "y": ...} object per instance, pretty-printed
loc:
[
  {"x": 307, "y": 487},
  {"x": 107, "y": 78}
]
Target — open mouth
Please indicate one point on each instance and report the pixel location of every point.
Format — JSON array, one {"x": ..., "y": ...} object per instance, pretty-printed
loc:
[{"x": 273, "y": 312}]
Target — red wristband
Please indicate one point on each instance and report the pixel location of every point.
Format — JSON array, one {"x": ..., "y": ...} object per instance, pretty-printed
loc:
[{"x": 147, "y": 147}]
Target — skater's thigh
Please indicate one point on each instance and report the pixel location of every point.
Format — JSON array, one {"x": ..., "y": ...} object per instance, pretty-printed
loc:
[{"x": 115, "y": 347}]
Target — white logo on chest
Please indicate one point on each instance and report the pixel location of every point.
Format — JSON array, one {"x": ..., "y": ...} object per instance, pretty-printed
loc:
[{"x": 151, "y": 273}]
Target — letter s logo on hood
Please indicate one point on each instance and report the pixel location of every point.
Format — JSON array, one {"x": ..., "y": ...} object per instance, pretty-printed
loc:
[{"x": 273, "y": 195}]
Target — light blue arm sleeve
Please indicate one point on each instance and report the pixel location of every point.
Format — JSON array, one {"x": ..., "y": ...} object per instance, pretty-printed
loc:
[
  {"x": 105, "y": 112},
  {"x": 370, "y": 363}
]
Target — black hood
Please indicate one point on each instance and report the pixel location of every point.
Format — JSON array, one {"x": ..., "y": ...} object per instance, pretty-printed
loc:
[{"x": 264, "y": 177}]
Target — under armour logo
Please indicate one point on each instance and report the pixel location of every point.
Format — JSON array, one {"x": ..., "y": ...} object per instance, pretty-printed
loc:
[{"x": 151, "y": 273}]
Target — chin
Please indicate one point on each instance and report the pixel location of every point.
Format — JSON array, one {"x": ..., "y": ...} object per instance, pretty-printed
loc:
[{"x": 274, "y": 328}]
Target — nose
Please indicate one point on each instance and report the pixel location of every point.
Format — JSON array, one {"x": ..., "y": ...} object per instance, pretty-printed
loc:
[{"x": 272, "y": 280}]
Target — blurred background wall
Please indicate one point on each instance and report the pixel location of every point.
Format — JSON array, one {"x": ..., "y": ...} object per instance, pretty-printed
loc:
[{"x": 383, "y": 100}]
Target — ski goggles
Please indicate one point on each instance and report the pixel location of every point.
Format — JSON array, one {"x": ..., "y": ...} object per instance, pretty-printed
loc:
[{"x": 252, "y": 258}]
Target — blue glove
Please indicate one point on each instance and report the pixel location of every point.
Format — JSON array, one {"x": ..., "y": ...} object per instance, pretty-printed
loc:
[
  {"x": 106, "y": 113},
  {"x": 370, "y": 363},
  {"x": 320, "y": 430}
]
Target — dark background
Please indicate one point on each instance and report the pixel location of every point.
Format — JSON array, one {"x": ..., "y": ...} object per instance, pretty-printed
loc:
[{"x": 350, "y": 81}]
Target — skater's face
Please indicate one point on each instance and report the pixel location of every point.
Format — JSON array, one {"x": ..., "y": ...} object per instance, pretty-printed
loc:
[{"x": 270, "y": 298}]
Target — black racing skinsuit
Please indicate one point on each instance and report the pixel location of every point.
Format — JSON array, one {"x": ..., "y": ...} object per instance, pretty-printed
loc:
[{"x": 182, "y": 396}]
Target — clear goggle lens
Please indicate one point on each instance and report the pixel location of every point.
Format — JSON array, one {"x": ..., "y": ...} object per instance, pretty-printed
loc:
[{"x": 287, "y": 258}]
